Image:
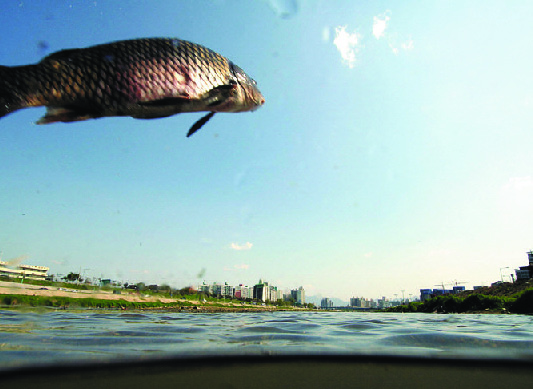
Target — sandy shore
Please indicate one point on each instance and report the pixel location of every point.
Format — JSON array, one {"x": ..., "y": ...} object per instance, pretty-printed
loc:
[
  {"x": 36, "y": 290},
  {"x": 53, "y": 291}
]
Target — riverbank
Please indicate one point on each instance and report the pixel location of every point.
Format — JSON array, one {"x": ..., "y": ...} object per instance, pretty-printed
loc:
[
  {"x": 14, "y": 294},
  {"x": 503, "y": 298}
]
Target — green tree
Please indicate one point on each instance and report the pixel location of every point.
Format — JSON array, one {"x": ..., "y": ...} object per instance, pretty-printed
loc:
[{"x": 72, "y": 277}]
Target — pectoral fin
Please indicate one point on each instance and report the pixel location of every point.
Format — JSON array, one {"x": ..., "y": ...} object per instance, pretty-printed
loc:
[
  {"x": 196, "y": 126},
  {"x": 218, "y": 95},
  {"x": 66, "y": 114}
]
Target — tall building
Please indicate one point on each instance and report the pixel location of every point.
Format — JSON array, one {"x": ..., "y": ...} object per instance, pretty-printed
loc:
[
  {"x": 262, "y": 291},
  {"x": 326, "y": 303},
  {"x": 357, "y": 302},
  {"x": 227, "y": 290},
  {"x": 298, "y": 295}
]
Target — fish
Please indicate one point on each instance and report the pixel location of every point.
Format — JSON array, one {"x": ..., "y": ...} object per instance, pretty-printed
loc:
[{"x": 144, "y": 78}]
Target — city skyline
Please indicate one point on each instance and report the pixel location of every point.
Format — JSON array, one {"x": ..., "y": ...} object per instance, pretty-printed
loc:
[
  {"x": 521, "y": 273},
  {"x": 392, "y": 152}
]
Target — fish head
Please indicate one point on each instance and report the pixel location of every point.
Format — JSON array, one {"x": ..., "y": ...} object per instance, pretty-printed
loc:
[{"x": 246, "y": 96}]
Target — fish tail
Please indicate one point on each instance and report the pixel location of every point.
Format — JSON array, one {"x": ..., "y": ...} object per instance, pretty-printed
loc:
[{"x": 9, "y": 97}]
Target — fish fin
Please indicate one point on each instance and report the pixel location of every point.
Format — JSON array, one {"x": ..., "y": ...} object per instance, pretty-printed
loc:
[
  {"x": 66, "y": 114},
  {"x": 196, "y": 126},
  {"x": 219, "y": 94}
]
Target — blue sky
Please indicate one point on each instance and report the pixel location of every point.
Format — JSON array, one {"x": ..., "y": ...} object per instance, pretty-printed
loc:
[{"x": 393, "y": 151}]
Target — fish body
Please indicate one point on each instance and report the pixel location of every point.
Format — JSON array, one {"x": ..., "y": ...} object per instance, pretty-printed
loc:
[{"x": 141, "y": 78}]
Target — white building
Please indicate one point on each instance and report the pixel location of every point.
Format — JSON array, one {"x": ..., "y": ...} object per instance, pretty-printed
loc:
[{"x": 23, "y": 271}]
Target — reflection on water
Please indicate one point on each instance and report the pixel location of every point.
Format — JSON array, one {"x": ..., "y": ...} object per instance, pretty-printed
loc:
[{"x": 28, "y": 338}]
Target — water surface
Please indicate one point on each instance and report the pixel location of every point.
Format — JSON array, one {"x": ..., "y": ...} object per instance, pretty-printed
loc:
[{"x": 46, "y": 337}]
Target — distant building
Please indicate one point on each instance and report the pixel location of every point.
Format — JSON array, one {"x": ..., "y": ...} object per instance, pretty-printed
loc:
[
  {"x": 24, "y": 271},
  {"x": 226, "y": 290},
  {"x": 458, "y": 289},
  {"x": 262, "y": 291},
  {"x": 326, "y": 303},
  {"x": 205, "y": 288},
  {"x": 525, "y": 272},
  {"x": 238, "y": 291},
  {"x": 425, "y": 294},
  {"x": 357, "y": 302},
  {"x": 247, "y": 292},
  {"x": 383, "y": 303},
  {"x": 298, "y": 295}
]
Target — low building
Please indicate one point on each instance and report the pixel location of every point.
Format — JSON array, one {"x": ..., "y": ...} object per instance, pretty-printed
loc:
[
  {"x": 458, "y": 289},
  {"x": 24, "y": 271}
]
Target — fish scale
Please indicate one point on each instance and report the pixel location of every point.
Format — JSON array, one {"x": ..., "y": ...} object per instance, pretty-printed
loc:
[{"x": 142, "y": 78}]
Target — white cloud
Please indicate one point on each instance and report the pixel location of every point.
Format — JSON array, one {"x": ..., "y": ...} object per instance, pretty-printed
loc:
[
  {"x": 393, "y": 40},
  {"x": 519, "y": 184},
  {"x": 408, "y": 45},
  {"x": 368, "y": 255},
  {"x": 239, "y": 247},
  {"x": 380, "y": 24},
  {"x": 348, "y": 45}
]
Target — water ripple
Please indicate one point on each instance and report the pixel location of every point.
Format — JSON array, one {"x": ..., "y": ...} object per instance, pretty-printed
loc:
[{"x": 28, "y": 338}]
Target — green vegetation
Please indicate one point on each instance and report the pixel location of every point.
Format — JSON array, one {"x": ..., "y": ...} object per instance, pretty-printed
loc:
[
  {"x": 521, "y": 302},
  {"x": 64, "y": 302},
  {"x": 191, "y": 297}
]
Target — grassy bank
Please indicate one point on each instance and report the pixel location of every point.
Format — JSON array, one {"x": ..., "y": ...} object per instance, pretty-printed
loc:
[
  {"x": 68, "y": 302},
  {"x": 18, "y": 301},
  {"x": 521, "y": 302}
]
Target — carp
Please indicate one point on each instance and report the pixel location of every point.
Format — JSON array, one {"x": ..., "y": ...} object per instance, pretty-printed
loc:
[{"x": 140, "y": 78}]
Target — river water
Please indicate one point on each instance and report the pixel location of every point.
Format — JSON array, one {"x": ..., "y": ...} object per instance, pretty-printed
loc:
[{"x": 29, "y": 338}]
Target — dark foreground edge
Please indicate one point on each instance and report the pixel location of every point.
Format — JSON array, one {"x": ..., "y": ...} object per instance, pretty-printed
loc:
[{"x": 279, "y": 371}]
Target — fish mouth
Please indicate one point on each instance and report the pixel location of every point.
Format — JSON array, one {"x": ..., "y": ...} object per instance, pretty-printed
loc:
[{"x": 259, "y": 102}]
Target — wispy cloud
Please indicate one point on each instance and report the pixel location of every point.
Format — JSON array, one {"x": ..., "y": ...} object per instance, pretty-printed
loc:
[
  {"x": 408, "y": 45},
  {"x": 380, "y": 24},
  {"x": 240, "y": 247},
  {"x": 395, "y": 41},
  {"x": 348, "y": 45},
  {"x": 519, "y": 184}
]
